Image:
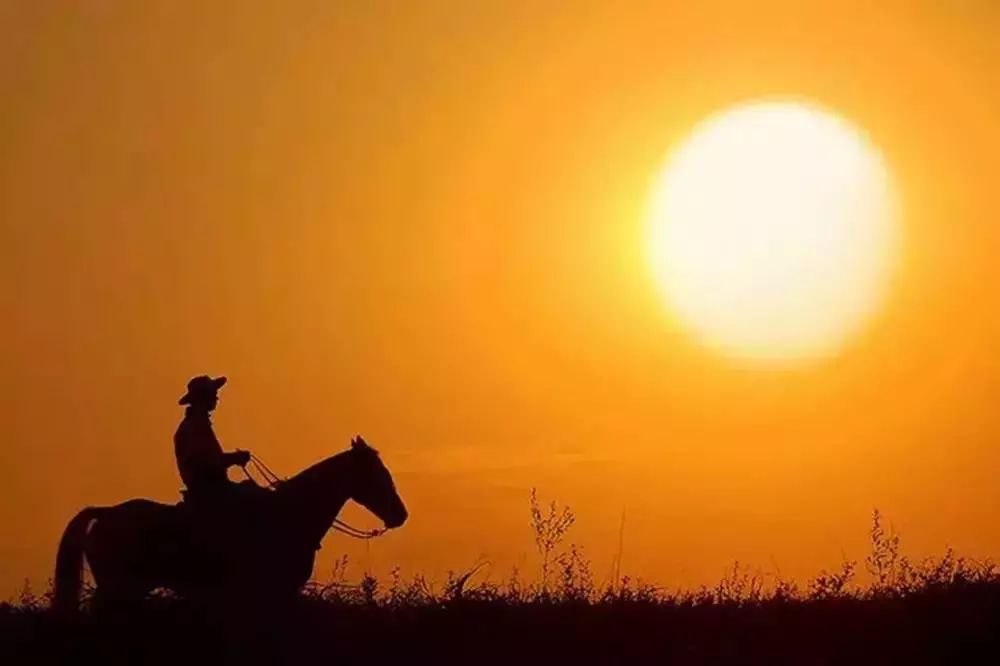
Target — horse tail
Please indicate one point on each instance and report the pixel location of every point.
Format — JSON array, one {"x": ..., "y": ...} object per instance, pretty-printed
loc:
[{"x": 69, "y": 561}]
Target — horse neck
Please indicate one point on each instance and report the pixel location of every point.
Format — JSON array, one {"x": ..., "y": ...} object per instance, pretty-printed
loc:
[{"x": 316, "y": 496}]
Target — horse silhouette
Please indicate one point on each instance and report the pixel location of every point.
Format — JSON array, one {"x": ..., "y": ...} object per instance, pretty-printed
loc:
[{"x": 140, "y": 545}]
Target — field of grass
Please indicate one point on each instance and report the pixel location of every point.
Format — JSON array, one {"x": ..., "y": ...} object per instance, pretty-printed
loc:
[{"x": 940, "y": 610}]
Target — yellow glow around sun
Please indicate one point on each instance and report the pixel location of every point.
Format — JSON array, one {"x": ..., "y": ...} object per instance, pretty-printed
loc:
[{"x": 773, "y": 231}]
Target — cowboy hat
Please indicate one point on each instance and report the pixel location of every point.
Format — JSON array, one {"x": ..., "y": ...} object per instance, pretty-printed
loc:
[{"x": 201, "y": 386}]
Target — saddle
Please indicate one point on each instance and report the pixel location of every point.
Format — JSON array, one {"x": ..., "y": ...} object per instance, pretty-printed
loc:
[
  {"x": 225, "y": 515},
  {"x": 228, "y": 494}
]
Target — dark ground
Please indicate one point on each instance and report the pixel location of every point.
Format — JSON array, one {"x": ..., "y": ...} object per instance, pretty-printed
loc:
[{"x": 956, "y": 624}]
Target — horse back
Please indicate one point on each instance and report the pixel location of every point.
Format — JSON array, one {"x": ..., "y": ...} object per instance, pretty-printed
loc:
[{"x": 142, "y": 504}]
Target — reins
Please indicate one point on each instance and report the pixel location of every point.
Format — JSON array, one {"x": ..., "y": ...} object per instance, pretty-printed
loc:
[
  {"x": 352, "y": 531},
  {"x": 273, "y": 481}
]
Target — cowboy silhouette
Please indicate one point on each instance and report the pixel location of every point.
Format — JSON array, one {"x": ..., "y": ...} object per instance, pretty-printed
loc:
[{"x": 200, "y": 459}]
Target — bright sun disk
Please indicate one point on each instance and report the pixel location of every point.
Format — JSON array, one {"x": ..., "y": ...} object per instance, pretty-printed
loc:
[{"x": 773, "y": 231}]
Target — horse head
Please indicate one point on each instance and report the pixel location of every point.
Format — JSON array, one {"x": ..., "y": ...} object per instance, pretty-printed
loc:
[{"x": 372, "y": 487}]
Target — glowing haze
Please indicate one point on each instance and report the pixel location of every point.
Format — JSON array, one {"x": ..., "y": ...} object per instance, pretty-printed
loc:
[
  {"x": 428, "y": 223},
  {"x": 773, "y": 231}
]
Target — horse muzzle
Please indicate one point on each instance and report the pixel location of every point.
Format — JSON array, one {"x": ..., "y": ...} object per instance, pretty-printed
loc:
[{"x": 396, "y": 519}]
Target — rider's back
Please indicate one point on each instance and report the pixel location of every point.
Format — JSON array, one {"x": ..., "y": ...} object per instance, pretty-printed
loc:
[{"x": 199, "y": 454}]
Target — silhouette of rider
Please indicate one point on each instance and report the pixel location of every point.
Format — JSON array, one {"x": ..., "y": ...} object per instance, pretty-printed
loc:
[{"x": 200, "y": 459}]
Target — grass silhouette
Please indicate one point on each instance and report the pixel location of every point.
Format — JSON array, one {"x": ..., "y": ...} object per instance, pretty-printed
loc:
[{"x": 937, "y": 610}]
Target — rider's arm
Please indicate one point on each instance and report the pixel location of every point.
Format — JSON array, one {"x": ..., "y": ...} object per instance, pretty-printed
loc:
[
  {"x": 237, "y": 457},
  {"x": 197, "y": 449}
]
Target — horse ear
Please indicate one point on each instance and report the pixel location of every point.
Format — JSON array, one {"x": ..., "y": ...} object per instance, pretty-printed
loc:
[{"x": 358, "y": 443}]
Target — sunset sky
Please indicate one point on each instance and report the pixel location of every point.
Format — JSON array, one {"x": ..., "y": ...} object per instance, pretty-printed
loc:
[{"x": 427, "y": 223}]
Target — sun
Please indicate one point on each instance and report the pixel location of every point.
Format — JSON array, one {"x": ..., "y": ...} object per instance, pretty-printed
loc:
[{"x": 774, "y": 231}]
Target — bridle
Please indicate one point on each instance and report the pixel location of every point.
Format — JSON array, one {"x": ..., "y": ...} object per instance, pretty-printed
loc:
[{"x": 273, "y": 481}]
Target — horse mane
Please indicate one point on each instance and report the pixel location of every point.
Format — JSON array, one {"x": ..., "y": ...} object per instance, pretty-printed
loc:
[
  {"x": 340, "y": 458},
  {"x": 320, "y": 465}
]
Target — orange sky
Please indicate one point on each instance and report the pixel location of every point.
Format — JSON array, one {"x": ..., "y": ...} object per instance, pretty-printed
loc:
[{"x": 424, "y": 222}]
